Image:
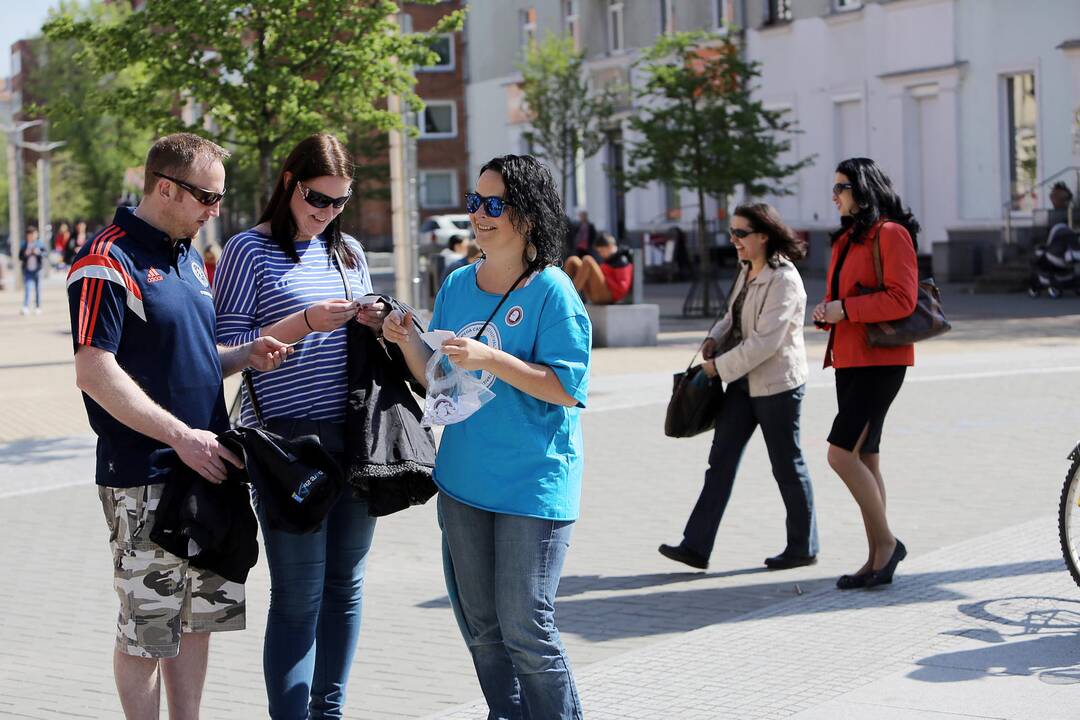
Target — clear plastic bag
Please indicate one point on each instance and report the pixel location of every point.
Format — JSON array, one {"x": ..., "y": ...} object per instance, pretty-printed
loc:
[{"x": 453, "y": 394}]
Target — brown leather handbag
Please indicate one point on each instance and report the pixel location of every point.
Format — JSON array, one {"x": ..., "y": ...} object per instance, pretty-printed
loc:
[{"x": 926, "y": 322}]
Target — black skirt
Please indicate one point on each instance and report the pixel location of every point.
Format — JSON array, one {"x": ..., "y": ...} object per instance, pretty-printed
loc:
[{"x": 863, "y": 397}]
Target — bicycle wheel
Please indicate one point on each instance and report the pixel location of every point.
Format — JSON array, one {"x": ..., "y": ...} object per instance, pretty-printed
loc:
[{"x": 1069, "y": 517}]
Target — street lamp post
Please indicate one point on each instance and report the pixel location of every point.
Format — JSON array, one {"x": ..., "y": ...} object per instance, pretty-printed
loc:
[
  {"x": 44, "y": 168},
  {"x": 14, "y": 142}
]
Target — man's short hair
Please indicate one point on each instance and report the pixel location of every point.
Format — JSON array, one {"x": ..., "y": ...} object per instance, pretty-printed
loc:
[
  {"x": 604, "y": 240},
  {"x": 176, "y": 154},
  {"x": 1062, "y": 187},
  {"x": 454, "y": 241}
]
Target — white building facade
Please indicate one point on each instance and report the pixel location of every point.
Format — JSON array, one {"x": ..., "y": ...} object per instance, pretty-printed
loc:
[{"x": 971, "y": 106}]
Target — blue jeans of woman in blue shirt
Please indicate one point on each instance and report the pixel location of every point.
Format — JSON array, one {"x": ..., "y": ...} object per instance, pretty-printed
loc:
[
  {"x": 502, "y": 572},
  {"x": 316, "y": 594}
]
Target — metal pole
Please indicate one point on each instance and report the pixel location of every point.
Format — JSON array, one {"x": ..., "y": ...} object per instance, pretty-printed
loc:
[
  {"x": 43, "y": 199},
  {"x": 418, "y": 299},
  {"x": 399, "y": 208},
  {"x": 14, "y": 200}
]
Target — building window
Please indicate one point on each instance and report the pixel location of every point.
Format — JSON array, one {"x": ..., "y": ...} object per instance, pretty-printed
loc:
[
  {"x": 845, "y": 5},
  {"x": 527, "y": 25},
  {"x": 667, "y": 16},
  {"x": 1023, "y": 159},
  {"x": 724, "y": 14},
  {"x": 438, "y": 119},
  {"x": 444, "y": 48},
  {"x": 438, "y": 188},
  {"x": 672, "y": 203},
  {"x": 777, "y": 11},
  {"x": 615, "y": 26},
  {"x": 570, "y": 21}
]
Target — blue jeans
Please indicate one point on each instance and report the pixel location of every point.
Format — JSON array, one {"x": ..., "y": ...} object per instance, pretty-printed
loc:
[
  {"x": 32, "y": 279},
  {"x": 778, "y": 415},
  {"x": 316, "y": 594},
  {"x": 502, "y": 572}
]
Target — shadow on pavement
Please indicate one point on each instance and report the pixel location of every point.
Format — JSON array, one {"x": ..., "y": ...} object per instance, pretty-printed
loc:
[
  {"x": 33, "y": 451},
  {"x": 671, "y": 611},
  {"x": 1054, "y": 658}
]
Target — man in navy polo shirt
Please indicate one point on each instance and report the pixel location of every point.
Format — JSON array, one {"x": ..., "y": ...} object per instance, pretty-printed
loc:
[{"x": 142, "y": 321}]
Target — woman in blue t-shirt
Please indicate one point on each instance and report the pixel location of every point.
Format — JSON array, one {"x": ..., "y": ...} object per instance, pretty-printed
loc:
[{"x": 510, "y": 473}]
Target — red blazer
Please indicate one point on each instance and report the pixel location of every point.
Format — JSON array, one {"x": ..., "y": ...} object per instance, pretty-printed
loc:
[{"x": 900, "y": 267}]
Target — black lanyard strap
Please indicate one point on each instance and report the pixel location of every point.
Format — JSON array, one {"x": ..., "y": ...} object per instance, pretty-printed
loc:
[{"x": 528, "y": 271}]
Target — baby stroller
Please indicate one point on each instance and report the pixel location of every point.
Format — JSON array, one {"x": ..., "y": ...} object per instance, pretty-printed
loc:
[{"x": 1055, "y": 266}]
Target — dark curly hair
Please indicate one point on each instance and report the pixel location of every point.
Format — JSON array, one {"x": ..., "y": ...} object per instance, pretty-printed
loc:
[
  {"x": 534, "y": 205},
  {"x": 782, "y": 240},
  {"x": 873, "y": 191},
  {"x": 315, "y": 156}
]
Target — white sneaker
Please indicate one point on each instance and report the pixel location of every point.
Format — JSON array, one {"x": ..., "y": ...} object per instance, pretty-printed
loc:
[
  {"x": 37, "y": 311},
  {"x": 25, "y": 310}
]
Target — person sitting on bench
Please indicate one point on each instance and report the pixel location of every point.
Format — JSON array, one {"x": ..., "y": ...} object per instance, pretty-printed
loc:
[{"x": 605, "y": 282}]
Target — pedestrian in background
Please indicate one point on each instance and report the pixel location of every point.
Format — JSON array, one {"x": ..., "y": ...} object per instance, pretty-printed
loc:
[
  {"x": 867, "y": 378},
  {"x": 287, "y": 277},
  {"x": 509, "y": 474},
  {"x": 33, "y": 254},
  {"x": 757, "y": 348}
]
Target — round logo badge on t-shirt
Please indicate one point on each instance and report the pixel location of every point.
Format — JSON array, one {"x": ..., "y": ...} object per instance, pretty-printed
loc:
[
  {"x": 197, "y": 268},
  {"x": 514, "y": 316},
  {"x": 491, "y": 338}
]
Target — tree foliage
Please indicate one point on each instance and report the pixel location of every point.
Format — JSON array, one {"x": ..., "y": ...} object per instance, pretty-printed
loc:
[
  {"x": 265, "y": 74},
  {"x": 698, "y": 124},
  {"x": 566, "y": 118},
  {"x": 88, "y": 172}
]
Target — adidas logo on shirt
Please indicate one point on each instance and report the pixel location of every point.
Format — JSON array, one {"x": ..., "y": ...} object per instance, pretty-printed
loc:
[{"x": 153, "y": 276}]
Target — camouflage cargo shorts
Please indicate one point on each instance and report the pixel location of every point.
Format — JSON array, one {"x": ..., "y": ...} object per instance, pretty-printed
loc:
[{"x": 161, "y": 595}]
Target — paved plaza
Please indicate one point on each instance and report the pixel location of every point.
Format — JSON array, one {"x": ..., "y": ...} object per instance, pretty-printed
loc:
[{"x": 983, "y": 621}]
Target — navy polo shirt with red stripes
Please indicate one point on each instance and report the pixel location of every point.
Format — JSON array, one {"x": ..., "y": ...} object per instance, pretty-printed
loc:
[{"x": 145, "y": 298}]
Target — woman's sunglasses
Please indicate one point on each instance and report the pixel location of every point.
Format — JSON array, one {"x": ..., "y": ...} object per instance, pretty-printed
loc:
[
  {"x": 740, "y": 233},
  {"x": 205, "y": 197},
  {"x": 318, "y": 200},
  {"x": 841, "y": 187},
  {"x": 493, "y": 205}
]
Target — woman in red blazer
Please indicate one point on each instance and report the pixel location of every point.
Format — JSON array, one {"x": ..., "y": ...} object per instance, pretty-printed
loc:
[{"x": 867, "y": 378}]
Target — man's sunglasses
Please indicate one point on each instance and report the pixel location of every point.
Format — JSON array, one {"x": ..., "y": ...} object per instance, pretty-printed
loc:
[
  {"x": 841, "y": 187},
  {"x": 206, "y": 197},
  {"x": 493, "y": 205},
  {"x": 740, "y": 233},
  {"x": 316, "y": 199}
]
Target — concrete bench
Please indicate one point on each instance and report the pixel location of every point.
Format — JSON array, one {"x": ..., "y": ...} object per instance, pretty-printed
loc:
[{"x": 624, "y": 325}]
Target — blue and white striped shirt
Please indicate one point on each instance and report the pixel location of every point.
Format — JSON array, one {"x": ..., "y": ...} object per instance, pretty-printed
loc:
[{"x": 256, "y": 285}]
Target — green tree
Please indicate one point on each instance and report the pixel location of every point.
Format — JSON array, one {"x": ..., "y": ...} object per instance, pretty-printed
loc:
[
  {"x": 266, "y": 73},
  {"x": 88, "y": 172},
  {"x": 566, "y": 118},
  {"x": 700, "y": 128}
]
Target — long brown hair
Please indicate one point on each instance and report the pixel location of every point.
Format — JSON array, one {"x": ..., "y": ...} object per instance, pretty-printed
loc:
[
  {"x": 782, "y": 240},
  {"x": 318, "y": 155}
]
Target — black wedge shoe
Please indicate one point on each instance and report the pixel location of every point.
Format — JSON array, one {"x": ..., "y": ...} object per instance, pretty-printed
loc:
[{"x": 884, "y": 575}]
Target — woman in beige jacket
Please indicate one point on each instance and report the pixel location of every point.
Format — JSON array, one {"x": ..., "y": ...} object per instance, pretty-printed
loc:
[{"x": 757, "y": 349}]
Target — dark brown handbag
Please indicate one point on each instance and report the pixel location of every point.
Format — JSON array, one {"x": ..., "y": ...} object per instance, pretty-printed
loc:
[
  {"x": 695, "y": 402},
  {"x": 926, "y": 322}
]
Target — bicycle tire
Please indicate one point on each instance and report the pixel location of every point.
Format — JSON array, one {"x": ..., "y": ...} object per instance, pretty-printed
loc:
[{"x": 1070, "y": 495}]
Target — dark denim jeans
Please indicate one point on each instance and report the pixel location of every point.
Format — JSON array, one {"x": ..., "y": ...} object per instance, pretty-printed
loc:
[
  {"x": 778, "y": 415},
  {"x": 316, "y": 594},
  {"x": 502, "y": 572}
]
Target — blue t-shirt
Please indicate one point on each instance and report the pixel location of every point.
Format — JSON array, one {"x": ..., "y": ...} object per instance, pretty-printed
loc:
[
  {"x": 139, "y": 295},
  {"x": 517, "y": 454}
]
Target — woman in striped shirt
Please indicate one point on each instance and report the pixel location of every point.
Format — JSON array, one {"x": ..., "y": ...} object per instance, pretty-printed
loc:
[{"x": 286, "y": 277}]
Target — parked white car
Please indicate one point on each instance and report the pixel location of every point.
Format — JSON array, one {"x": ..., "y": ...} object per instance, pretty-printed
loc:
[{"x": 438, "y": 229}]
